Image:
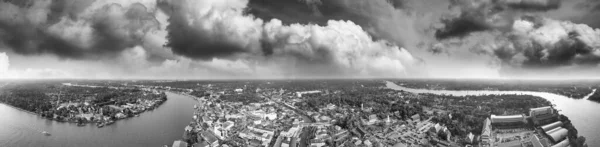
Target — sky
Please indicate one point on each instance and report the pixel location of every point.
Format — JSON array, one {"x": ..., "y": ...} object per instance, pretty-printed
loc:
[{"x": 299, "y": 39}]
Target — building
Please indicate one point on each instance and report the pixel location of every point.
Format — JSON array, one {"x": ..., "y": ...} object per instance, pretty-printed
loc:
[
  {"x": 239, "y": 90},
  {"x": 299, "y": 94},
  {"x": 564, "y": 143},
  {"x": 535, "y": 141},
  {"x": 551, "y": 126},
  {"x": 201, "y": 144},
  {"x": 263, "y": 115},
  {"x": 210, "y": 138},
  {"x": 279, "y": 141},
  {"x": 341, "y": 136},
  {"x": 542, "y": 115},
  {"x": 179, "y": 143},
  {"x": 317, "y": 143},
  {"x": 507, "y": 119},
  {"x": 558, "y": 135},
  {"x": 416, "y": 117},
  {"x": 553, "y": 130},
  {"x": 470, "y": 137},
  {"x": 486, "y": 133},
  {"x": 263, "y": 135},
  {"x": 222, "y": 129}
]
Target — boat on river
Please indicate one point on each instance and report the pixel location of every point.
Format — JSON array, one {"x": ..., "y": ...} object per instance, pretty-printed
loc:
[
  {"x": 100, "y": 125},
  {"x": 46, "y": 133}
]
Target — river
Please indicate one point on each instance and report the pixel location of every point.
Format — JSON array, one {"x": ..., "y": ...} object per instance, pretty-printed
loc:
[
  {"x": 581, "y": 112},
  {"x": 154, "y": 128}
]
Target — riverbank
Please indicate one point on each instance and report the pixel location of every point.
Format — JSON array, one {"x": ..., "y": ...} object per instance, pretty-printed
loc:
[
  {"x": 20, "y": 109},
  {"x": 93, "y": 118},
  {"x": 571, "y": 108},
  {"x": 571, "y": 89},
  {"x": 152, "y": 128}
]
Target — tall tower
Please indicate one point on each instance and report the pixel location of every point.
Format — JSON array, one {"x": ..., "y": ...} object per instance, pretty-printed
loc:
[
  {"x": 388, "y": 119},
  {"x": 58, "y": 101}
]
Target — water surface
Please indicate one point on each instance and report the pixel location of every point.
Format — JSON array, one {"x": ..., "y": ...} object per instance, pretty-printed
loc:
[{"x": 158, "y": 127}]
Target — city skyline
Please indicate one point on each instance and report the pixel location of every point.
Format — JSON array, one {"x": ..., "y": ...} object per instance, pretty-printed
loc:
[{"x": 299, "y": 39}]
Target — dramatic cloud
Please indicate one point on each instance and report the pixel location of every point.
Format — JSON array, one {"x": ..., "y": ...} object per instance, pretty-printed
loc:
[
  {"x": 191, "y": 39},
  {"x": 219, "y": 29},
  {"x": 482, "y": 15},
  {"x": 545, "y": 44},
  {"x": 70, "y": 29},
  {"x": 403, "y": 22}
]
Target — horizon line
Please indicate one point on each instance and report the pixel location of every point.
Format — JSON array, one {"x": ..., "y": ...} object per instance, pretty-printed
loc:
[{"x": 307, "y": 78}]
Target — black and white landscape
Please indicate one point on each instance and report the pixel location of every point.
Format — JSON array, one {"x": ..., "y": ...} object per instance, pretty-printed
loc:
[{"x": 299, "y": 72}]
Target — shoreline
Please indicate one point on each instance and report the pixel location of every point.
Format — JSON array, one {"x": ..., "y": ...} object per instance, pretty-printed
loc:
[
  {"x": 583, "y": 97},
  {"x": 21, "y": 109},
  {"x": 86, "y": 122},
  {"x": 467, "y": 93}
]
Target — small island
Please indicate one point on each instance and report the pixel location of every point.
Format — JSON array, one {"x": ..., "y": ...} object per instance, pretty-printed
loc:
[{"x": 66, "y": 102}]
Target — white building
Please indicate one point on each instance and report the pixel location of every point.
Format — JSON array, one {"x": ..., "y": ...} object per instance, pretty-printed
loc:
[
  {"x": 239, "y": 90},
  {"x": 299, "y": 94},
  {"x": 508, "y": 118}
]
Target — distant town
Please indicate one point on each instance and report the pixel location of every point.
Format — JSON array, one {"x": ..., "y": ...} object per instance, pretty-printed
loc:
[{"x": 361, "y": 113}]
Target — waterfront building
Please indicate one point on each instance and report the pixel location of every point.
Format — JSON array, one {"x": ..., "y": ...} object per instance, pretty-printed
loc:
[
  {"x": 551, "y": 126},
  {"x": 564, "y": 143},
  {"x": 201, "y": 144},
  {"x": 553, "y": 130},
  {"x": 558, "y": 135},
  {"x": 542, "y": 115}
]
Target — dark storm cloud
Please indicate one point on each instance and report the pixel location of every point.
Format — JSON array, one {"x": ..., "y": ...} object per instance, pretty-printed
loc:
[
  {"x": 533, "y": 5},
  {"x": 27, "y": 39},
  {"x": 545, "y": 44},
  {"x": 485, "y": 15},
  {"x": 460, "y": 27},
  {"x": 384, "y": 19},
  {"x": 49, "y": 27},
  {"x": 69, "y": 8},
  {"x": 189, "y": 41},
  {"x": 305, "y": 12},
  {"x": 532, "y": 54},
  {"x": 223, "y": 29}
]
